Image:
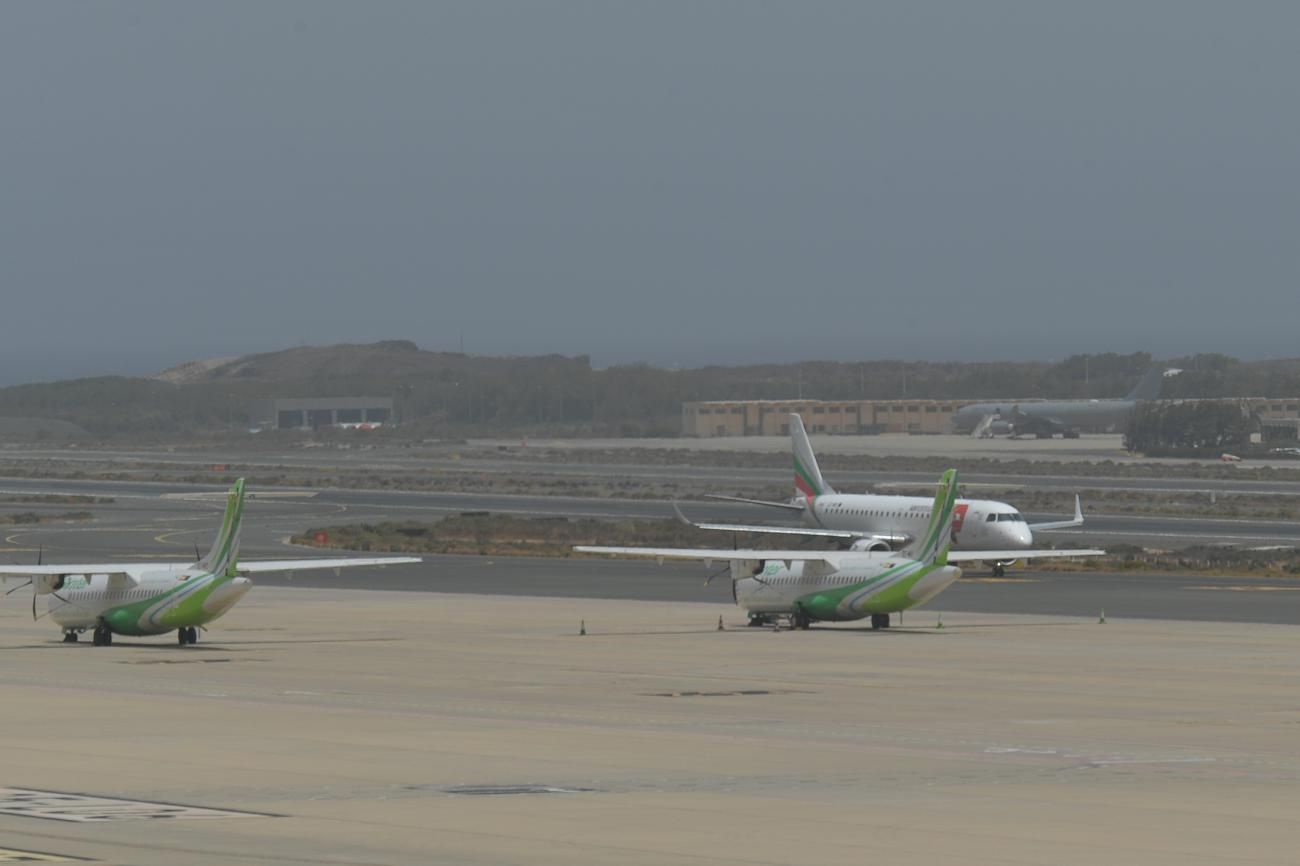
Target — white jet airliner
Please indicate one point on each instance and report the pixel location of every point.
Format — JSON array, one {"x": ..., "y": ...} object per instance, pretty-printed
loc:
[{"x": 982, "y": 529}]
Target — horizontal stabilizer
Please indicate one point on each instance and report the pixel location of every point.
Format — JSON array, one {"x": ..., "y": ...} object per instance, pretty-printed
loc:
[{"x": 788, "y": 506}]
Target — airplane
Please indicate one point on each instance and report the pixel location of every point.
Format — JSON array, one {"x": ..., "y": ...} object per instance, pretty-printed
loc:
[
  {"x": 140, "y": 599},
  {"x": 806, "y": 586},
  {"x": 1045, "y": 418},
  {"x": 874, "y": 522}
]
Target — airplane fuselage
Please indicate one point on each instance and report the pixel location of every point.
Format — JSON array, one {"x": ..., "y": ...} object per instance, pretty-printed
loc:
[
  {"x": 977, "y": 524},
  {"x": 162, "y": 601},
  {"x": 1092, "y": 415},
  {"x": 887, "y": 586}
]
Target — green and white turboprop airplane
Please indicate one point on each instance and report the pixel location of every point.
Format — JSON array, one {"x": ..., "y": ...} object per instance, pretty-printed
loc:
[
  {"x": 139, "y": 599},
  {"x": 833, "y": 585}
]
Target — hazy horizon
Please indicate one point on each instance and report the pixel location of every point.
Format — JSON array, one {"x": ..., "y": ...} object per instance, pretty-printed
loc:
[{"x": 679, "y": 184}]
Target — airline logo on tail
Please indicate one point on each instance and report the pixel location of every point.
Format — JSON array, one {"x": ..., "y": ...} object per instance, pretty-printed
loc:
[
  {"x": 804, "y": 483},
  {"x": 808, "y": 481}
]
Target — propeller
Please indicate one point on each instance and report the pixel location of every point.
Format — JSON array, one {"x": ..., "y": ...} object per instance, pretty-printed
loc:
[
  {"x": 708, "y": 580},
  {"x": 18, "y": 587}
]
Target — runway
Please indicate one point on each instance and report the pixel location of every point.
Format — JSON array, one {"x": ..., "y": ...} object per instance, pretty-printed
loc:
[
  {"x": 356, "y": 506},
  {"x": 659, "y": 463}
]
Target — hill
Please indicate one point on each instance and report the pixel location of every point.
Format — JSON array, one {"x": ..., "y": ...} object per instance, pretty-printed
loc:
[{"x": 449, "y": 393}]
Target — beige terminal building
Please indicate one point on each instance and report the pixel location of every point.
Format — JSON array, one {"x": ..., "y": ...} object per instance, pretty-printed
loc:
[{"x": 771, "y": 417}]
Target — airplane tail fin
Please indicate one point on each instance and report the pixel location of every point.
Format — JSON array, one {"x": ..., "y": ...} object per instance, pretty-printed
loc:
[
  {"x": 933, "y": 548},
  {"x": 808, "y": 481},
  {"x": 1148, "y": 387},
  {"x": 222, "y": 557}
]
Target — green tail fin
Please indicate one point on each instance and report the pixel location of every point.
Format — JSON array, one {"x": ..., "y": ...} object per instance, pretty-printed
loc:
[
  {"x": 222, "y": 558},
  {"x": 933, "y": 547}
]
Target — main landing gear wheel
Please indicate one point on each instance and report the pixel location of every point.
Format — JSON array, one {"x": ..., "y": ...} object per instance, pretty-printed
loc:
[
  {"x": 69, "y": 637},
  {"x": 999, "y": 570},
  {"x": 187, "y": 635},
  {"x": 800, "y": 619},
  {"x": 879, "y": 620},
  {"x": 103, "y": 636}
]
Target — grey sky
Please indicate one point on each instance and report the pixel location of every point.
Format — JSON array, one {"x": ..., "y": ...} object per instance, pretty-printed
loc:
[{"x": 678, "y": 182}]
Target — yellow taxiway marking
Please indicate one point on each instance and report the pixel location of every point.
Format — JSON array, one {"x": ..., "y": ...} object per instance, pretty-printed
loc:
[{"x": 1248, "y": 588}]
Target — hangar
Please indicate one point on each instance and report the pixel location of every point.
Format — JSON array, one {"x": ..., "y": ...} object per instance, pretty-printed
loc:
[{"x": 319, "y": 412}]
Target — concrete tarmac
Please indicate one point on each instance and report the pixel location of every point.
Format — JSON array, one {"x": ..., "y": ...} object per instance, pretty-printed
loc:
[{"x": 394, "y": 728}]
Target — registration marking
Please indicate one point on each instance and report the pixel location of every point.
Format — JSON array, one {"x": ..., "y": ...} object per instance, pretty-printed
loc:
[{"x": 85, "y": 809}]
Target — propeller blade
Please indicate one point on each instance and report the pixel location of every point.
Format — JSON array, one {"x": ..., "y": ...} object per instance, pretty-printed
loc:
[
  {"x": 33, "y": 607},
  {"x": 18, "y": 587},
  {"x": 40, "y": 553},
  {"x": 708, "y": 580}
]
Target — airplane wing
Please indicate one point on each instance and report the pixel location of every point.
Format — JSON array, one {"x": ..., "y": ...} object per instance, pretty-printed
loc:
[
  {"x": 846, "y": 534},
  {"x": 1006, "y": 555},
  {"x": 267, "y": 565},
  {"x": 788, "y": 506},
  {"x": 828, "y": 560},
  {"x": 129, "y": 573},
  {"x": 1061, "y": 524},
  {"x": 126, "y": 571}
]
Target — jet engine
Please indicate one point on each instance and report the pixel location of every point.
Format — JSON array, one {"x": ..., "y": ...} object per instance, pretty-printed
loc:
[{"x": 869, "y": 545}]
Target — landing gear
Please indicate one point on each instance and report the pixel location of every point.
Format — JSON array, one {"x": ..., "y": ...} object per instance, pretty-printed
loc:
[
  {"x": 879, "y": 620},
  {"x": 800, "y": 619},
  {"x": 69, "y": 637},
  {"x": 758, "y": 620},
  {"x": 186, "y": 635},
  {"x": 103, "y": 635},
  {"x": 999, "y": 570}
]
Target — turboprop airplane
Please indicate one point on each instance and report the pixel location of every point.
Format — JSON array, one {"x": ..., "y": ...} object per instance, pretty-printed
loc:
[
  {"x": 809, "y": 585},
  {"x": 136, "y": 599},
  {"x": 871, "y": 522}
]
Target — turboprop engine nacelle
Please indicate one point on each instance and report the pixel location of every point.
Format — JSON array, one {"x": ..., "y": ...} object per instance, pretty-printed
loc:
[{"x": 44, "y": 584}]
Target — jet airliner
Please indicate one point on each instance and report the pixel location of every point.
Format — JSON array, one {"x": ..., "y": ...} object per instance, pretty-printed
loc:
[{"x": 872, "y": 522}]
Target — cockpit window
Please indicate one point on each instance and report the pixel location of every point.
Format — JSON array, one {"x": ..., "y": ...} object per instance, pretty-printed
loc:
[
  {"x": 992, "y": 518},
  {"x": 1009, "y": 517}
]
